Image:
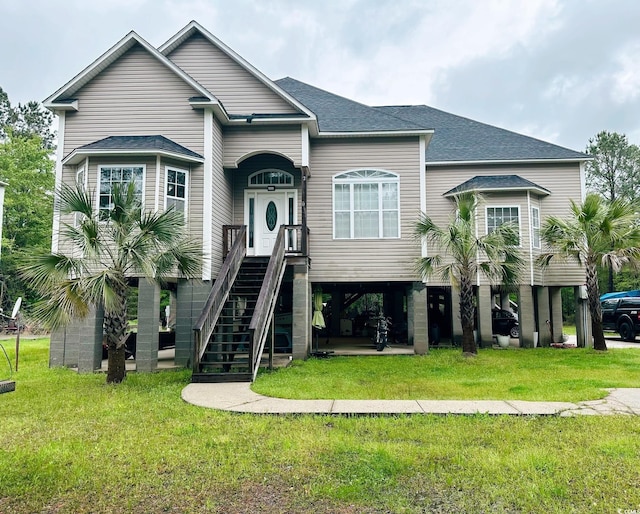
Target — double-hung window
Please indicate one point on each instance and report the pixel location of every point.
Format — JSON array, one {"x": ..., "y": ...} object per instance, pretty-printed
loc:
[
  {"x": 118, "y": 175},
  {"x": 366, "y": 204},
  {"x": 176, "y": 189},
  {"x": 535, "y": 227},
  {"x": 497, "y": 216}
]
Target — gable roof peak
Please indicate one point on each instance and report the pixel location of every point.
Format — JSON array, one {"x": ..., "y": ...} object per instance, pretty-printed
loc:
[
  {"x": 193, "y": 27},
  {"x": 108, "y": 58}
]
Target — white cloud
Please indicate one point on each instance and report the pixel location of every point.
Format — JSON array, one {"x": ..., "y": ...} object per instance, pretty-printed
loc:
[{"x": 626, "y": 82}]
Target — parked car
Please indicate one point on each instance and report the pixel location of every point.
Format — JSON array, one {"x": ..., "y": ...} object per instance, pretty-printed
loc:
[
  {"x": 504, "y": 322},
  {"x": 621, "y": 315}
]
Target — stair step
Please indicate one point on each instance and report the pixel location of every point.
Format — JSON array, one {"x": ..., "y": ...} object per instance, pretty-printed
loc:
[{"x": 220, "y": 377}]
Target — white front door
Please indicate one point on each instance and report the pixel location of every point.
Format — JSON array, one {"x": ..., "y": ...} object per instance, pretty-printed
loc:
[
  {"x": 270, "y": 214},
  {"x": 265, "y": 211}
]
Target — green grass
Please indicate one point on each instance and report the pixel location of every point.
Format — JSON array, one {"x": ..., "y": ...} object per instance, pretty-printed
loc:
[
  {"x": 542, "y": 374},
  {"x": 71, "y": 444}
]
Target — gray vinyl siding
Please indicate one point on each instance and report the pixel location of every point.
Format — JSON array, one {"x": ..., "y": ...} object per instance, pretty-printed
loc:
[
  {"x": 136, "y": 95},
  {"x": 222, "y": 199},
  {"x": 242, "y": 142},
  {"x": 195, "y": 187},
  {"x": 362, "y": 260},
  {"x": 150, "y": 163},
  {"x": 239, "y": 91},
  {"x": 563, "y": 180}
]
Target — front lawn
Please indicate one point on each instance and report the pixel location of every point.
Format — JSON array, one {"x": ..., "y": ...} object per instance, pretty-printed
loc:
[
  {"x": 550, "y": 374},
  {"x": 70, "y": 443}
]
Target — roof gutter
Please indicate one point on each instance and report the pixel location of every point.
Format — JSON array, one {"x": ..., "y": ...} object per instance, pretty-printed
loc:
[{"x": 508, "y": 161}]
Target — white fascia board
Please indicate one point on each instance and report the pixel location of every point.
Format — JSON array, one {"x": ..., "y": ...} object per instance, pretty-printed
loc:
[
  {"x": 63, "y": 106},
  {"x": 379, "y": 133},
  {"x": 508, "y": 161},
  {"x": 218, "y": 109},
  {"x": 77, "y": 155},
  {"x": 194, "y": 26},
  {"x": 108, "y": 58}
]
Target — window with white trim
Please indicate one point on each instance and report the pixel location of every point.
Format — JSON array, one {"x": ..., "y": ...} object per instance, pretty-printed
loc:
[
  {"x": 112, "y": 175},
  {"x": 176, "y": 190},
  {"x": 366, "y": 204},
  {"x": 271, "y": 177},
  {"x": 497, "y": 216},
  {"x": 535, "y": 227}
]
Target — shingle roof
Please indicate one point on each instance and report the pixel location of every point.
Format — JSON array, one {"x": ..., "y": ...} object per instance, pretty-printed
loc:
[
  {"x": 456, "y": 139},
  {"x": 338, "y": 114},
  {"x": 497, "y": 183},
  {"x": 461, "y": 139},
  {"x": 140, "y": 143}
]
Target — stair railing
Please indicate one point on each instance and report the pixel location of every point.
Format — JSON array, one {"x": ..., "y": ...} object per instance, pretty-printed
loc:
[
  {"x": 206, "y": 323},
  {"x": 265, "y": 305}
]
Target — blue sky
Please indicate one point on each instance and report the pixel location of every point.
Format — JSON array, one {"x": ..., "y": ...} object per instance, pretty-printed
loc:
[{"x": 557, "y": 70}]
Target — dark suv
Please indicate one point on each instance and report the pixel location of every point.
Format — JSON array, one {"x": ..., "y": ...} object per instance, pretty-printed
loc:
[
  {"x": 504, "y": 322},
  {"x": 621, "y": 315}
]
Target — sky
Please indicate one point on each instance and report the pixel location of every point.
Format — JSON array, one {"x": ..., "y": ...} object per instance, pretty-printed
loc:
[{"x": 557, "y": 70}]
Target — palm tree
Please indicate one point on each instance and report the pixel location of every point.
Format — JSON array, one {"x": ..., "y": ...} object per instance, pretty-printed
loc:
[
  {"x": 114, "y": 244},
  {"x": 595, "y": 233},
  {"x": 496, "y": 255}
]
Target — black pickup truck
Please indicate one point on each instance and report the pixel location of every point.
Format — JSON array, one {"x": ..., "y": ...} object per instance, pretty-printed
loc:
[{"x": 622, "y": 315}]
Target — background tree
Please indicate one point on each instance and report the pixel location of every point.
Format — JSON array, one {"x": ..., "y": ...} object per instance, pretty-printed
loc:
[
  {"x": 28, "y": 209},
  {"x": 26, "y": 120},
  {"x": 122, "y": 242},
  {"x": 614, "y": 173},
  {"x": 495, "y": 255},
  {"x": 26, "y": 147},
  {"x": 596, "y": 232}
]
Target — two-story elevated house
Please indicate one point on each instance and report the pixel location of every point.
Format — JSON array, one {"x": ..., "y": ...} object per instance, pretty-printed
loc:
[{"x": 291, "y": 190}]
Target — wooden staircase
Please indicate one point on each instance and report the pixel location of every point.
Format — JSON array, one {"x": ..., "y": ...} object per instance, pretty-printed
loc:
[
  {"x": 237, "y": 319},
  {"x": 227, "y": 357}
]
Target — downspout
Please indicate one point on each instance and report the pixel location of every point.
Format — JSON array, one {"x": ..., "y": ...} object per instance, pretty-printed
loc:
[{"x": 530, "y": 234}]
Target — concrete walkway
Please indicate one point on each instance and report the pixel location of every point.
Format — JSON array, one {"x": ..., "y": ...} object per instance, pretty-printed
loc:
[{"x": 238, "y": 397}]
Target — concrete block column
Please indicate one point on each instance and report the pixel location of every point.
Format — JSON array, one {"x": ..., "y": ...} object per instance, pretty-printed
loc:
[
  {"x": 420, "y": 321},
  {"x": 90, "y": 341},
  {"x": 148, "y": 326},
  {"x": 526, "y": 316},
  {"x": 485, "y": 305},
  {"x": 57, "y": 348},
  {"x": 190, "y": 299},
  {"x": 544, "y": 316},
  {"x": 555, "y": 307},
  {"x": 456, "y": 322},
  {"x": 301, "y": 322}
]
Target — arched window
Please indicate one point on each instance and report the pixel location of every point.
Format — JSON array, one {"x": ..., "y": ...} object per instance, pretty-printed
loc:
[
  {"x": 366, "y": 204},
  {"x": 271, "y": 177}
]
